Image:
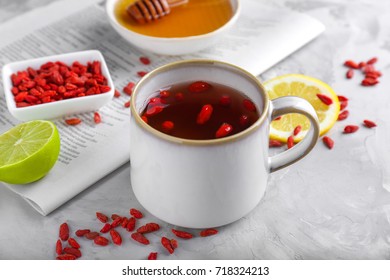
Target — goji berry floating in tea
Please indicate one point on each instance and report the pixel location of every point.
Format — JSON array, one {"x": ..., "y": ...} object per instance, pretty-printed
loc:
[
  {"x": 199, "y": 110},
  {"x": 290, "y": 142},
  {"x": 56, "y": 81}
]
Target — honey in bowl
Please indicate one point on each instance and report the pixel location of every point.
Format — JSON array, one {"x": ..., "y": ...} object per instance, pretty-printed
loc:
[
  {"x": 196, "y": 17},
  {"x": 200, "y": 110}
]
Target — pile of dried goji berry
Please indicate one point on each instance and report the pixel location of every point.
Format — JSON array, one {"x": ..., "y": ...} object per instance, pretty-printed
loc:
[
  {"x": 55, "y": 81},
  {"x": 128, "y": 90},
  {"x": 72, "y": 250}
]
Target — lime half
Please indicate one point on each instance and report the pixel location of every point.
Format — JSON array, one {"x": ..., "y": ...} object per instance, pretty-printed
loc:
[{"x": 28, "y": 151}]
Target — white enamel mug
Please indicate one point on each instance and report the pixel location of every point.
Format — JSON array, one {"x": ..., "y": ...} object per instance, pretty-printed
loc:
[{"x": 208, "y": 183}]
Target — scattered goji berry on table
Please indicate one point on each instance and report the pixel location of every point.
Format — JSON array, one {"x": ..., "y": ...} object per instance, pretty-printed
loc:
[
  {"x": 101, "y": 217},
  {"x": 73, "y": 251},
  {"x": 328, "y": 142},
  {"x": 343, "y": 115},
  {"x": 167, "y": 244},
  {"x": 275, "y": 143},
  {"x": 82, "y": 232},
  {"x": 182, "y": 234},
  {"x": 350, "y": 129},
  {"x": 73, "y": 121},
  {"x": 72, "y": 242},
  {"x": 152, "y": 256},
  {"x": 369, "y": 123},
  {"x": 139, "y": 237},
  {"x": 59, "y": 247},
  {"x": 64, "y": 232},
  {"x": 97, "y": 118},
  {"x": 149, "y": 227},
  {"x": 101, "y": 241},
  {"x": 136, "y": 213},
  {"x": 144, "y": 60},
  {"x": 115, "y": 236},
  {"x": 208, "y": 232}
]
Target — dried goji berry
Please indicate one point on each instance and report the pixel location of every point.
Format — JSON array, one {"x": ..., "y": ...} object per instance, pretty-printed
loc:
[
  {"x": 105, "y": 228},
  {"x": 149, "y": 227},
  {"x": 290, "y": 142},
  {"x": 115, "y": 216},
  {"x": 97, "y": 118},
  {"x": 131, "y": 224},
  {"x": 64, "y": 231},
  {"x": 142, "y": 73},
  {"x": 275, "y": 143},
  {"x": 101, "y": 241},
  {"x": 91, "y": 235},
  {"x": 349, "y": 74},
  {"x": 136, "y": 213},
  {"x": 82, "y": 232},
  {"x": 167, "y": 244},
  {"x": 328, "y": 142},
  {"x": 372, "y": 60},
  {"x": 208, "y": 232},
  {"x": 174, "y": 243},
  {"x": 182, "y": 234},
  {"x": 128, "y": 89},
  {"x": 101, "y": 217},
  {"x": 297, "y": 130},
  {"x": 204, "y": 114},
  {"x": 59, "y": 247},
  {"x": 144, "y": 60},
  {"x": 325, "y": 99},
  {"x": 72, "y": 242},
  {"x": 127, "y": 104},
  {"x": 66, "y": 257},
  {"x": 343, "y": 105},
  {"x": 115, "y": 236},
  {"x": 350, "y": 129},
  {"x": 116, "y": 222},
  {"x": 342, "y": 98},
  {"x": 73, "y": 251},
  {"x": 124, "y": 222},
  {"x": 343, "y": 115},
  {"x": 351, "y": 64},
  {"x": 139, "y": 237},
  {"x": 152, "y": 256},
  {"x": 117, "y": 94},
  {"x": 369, "y": 123},
  {"x": 73, "y": 121}
]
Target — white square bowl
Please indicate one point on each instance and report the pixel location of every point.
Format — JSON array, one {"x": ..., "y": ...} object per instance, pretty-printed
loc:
[{"x": 60, "y": 108}]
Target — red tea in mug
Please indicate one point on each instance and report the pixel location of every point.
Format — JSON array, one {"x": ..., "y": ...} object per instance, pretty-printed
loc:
[{"x": 200, "y": 111}]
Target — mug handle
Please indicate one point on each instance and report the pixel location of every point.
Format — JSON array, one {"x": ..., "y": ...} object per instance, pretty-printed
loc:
[{"x": 291, "y": 104}]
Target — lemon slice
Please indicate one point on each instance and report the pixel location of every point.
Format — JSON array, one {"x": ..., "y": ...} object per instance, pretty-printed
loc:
[
  {"x": 307, "y": 88},
  {"x": 28, "y": 151}
]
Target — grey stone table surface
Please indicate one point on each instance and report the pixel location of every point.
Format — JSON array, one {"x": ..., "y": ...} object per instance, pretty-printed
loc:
[{"x": 334, "y": 204}]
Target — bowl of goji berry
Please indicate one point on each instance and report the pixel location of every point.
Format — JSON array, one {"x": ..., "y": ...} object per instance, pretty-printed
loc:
[{"x": 56, "y": 86}]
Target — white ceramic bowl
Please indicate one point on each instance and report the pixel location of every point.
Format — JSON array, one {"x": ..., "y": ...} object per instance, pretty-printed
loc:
[
  {"x": 61, "y": 108},
  {"x": 171, "y": 46}
]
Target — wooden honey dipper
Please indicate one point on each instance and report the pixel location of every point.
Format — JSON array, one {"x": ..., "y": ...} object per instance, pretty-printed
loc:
[{"x": 145, "y": 11}]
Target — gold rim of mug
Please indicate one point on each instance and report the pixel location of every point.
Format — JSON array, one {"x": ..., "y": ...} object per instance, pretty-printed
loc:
[{"x": 178, "y": 140}]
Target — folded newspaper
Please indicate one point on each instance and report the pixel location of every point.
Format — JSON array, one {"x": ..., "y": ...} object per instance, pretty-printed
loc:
[{"x": 262, "y": 37}]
